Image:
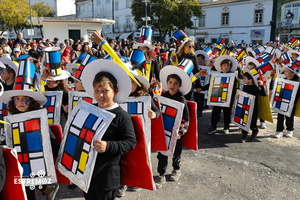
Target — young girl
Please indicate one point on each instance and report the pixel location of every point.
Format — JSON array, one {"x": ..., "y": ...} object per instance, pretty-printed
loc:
[
  {"x": 289, "y": 121},
  {"x": 109, "y": 87}
]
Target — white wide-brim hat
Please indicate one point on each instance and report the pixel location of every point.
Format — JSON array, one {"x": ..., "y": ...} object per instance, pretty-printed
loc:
[
  {"x": 102, "y": 65},
  {"x": 289, "y": 52},
  {"x": 249, "y": 59},
  {"x": 204, "y": 54},
  {"x": 7, "y": 95},
  {"x": 170, "y": 69},
  {"x": 71, "y": 66},
  {"x": 64, "y": 75},
  {"x": 139, "y": 77},
  {"x": 226, "y": 57},
  {"x": 10, "y": 63},
  {"x": 137, "y": 45}
]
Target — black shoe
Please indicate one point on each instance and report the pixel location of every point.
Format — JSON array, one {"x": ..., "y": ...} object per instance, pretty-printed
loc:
[
  {"x": 72, "y": 186},
  {"x": 252, "y": 137},
  {"x": 244, "y": 138},
  {"x": 211, "y": 130}
]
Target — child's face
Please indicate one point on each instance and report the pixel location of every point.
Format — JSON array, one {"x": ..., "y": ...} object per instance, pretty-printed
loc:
[
  {"x": 294, "y": 56},
  {"x": 52, "y": 84},
  {"x": 225, "y": 68},
  {"x": 173, "y": 86},
  {"x": 22, "y": 103},
  {"x": 247, "y": 81},
  {"x": 104, "y": 94},
  {"x": 5, "y": 75},
  {"x": 288, "y": 74},
  {"x": 78, "y": 85},
  {"x": 201, "y": 61},
  {"x": 250, "y": 66}
]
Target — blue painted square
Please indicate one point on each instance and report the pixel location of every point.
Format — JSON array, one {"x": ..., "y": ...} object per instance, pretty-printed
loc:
[
  {"x": 54, "y": 57},
  {"x": 238, "y": 111},
  {"x": 168, "y": 122},
  {"x": 278, "y": 104},
  {"x": 90, "y": 121},
  {"x": 223, "y": 79},
  {"x": 246, "y": 101},
  {"x": 215, "y": 92},
  {"x": 71, "y": 144},
  {"x": 26, "y": 169},
  {"x": 132, "y": 108},
  {"x": 48, "y": 101},
  {"x": 34, "y": 141},
  {"x": 287, "y": 94}
]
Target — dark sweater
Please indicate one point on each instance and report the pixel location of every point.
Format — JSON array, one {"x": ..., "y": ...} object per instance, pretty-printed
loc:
[{"x": 120, "y": 138}]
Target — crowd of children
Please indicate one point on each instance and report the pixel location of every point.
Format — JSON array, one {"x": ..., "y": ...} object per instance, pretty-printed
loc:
[{"x": 212, "y": 76}]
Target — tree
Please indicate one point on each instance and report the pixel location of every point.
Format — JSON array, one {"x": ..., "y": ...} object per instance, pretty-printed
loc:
[
  {"x": 42, "y": 10},
  {"x": 13, "y": 13},
  {"x": 167, "y": 15}
]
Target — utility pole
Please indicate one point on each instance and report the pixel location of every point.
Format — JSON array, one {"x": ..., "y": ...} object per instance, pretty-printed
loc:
[
  {"x": 31, "y": 31},
  {"x": 146, "y": 18},
  {"x": 273, "y": 22}
]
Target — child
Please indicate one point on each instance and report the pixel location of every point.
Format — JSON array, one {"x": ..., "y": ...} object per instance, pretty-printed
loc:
[
  {"x": 109, "y": 87},
  {"x": 254, "y": 87},
  {"x": 224, "y": 64},
  {"x": 174, "y": 83},
  {"x": 289, "y": 121},
  {"x": 9, "y": 73}
]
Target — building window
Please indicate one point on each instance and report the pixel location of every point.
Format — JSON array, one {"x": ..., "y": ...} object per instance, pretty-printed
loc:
[
  {"x": 89, "y": 8},
  {"x": 127, "y": 23},
  {"x": 107, "y": 1},
  {"x": 225, "y": 18},
  {"x": 117, "y": 25},
  {"x": 128, "y": 3},
  {"x": 258, "y": 16},
  {"x": 82, "y": 9},
  {"x": 202, "y": 21},
  {"x": 116, "y": 5},
  {"x": 98, "y": 2}
]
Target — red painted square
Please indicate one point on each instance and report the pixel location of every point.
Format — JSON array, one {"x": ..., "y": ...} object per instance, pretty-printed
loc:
[
  {"x": 237, "y": 119},
  {"x": 67, "y": 161},
  {"x": 4, "y": 112},
  {"x": 32, "y": 125},
  {"x": 171, "y": 111},
  {"x": 18, "y": 86},
  {"x": 19, "y": 79},
  {"x": 50, "y": 109},
  {"x": 276, "y": 98},
  {"x": 89, "y": 136},
  {"x": 20, "y": 158},
  {"x": 87, "y": 99},
  {"x": 288, "y": 86},
  {"x": 214, "y": 99},
  {"x": 83, "y": 133},
  {"x": 225, "y": 85},
  {"x": 25, "y": 157}
]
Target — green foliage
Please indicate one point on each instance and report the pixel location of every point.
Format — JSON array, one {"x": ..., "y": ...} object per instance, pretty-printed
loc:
[
  {"x": 13, "y": 14},
  {"x": 167, "y": 15},
  {"x": 42, "y": 9}
]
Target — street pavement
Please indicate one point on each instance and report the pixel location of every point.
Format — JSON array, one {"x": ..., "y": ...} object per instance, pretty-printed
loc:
[{"x": 225, "y": 169}]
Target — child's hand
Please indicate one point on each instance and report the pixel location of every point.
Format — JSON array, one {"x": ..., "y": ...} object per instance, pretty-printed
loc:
[
  {"x": 202, "y": 72},
  {"x": 96, "y": 37},
  {"x": 178, "y": 136},
  {"x": 100, "y": 146},
  {"x": 260, "y": 82},
  {"x": 151, "y": 114},
  {"x": 46, "y": 73}
]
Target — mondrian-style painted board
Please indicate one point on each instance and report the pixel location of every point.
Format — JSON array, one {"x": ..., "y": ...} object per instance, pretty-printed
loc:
[
  {"x": 53, "y": 106},
  {"x": 283, "y": 97},
  {"x": 75, "y": 96},
  {"x": 28, "y": 134},
  {"x": 243, "y": 110},
  {"x": 3, "y": 113},
  {"x": 220, "y": 89},
  {"x": 171, "y": 111},
  {"x": 140, "y": 106},
  {"x": 77, "y": 156}
]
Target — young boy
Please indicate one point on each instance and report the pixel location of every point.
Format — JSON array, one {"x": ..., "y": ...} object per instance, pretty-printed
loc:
[
  {"x": 254, "y": 87},
  {"x": 224, "y": 64},
  {"x": 8, "y": 78},
  {"x": 289, "y": 121},
  {"x": 174, "y": 83}
]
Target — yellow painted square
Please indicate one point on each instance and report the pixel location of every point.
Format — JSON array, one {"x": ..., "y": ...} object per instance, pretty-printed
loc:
[
  {"x": 16, "y": 136},
  {"x": 278, "y": 88},
  {"x": 74, "y": 104},
  {"x": 245, "y": 118},
  {"x": 224, "y": 95},
  {"x": 83, "y": 160},
  {"x": 50, "y": 121}
]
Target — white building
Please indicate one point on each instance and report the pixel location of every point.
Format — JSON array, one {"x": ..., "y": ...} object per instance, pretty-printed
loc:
[
  {"x": 61, "y": 7},
  {"x": 234, "y": 20}
]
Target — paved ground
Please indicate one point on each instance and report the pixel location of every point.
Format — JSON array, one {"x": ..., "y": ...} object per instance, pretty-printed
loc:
[{"x": 225, "y": 169}]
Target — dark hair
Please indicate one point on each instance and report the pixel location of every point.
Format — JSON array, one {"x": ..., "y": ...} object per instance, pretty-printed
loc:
[
  {"x": 34, "y": 105},
  {"x": 140, "y": 91},
  {"x": 10, "y": 70},
  {"x": 102, "y": 77},
  {"x": 248, "y": 76},
  {"x": 62, "y": 86},
  {"x": 175, "y": 76},
  {"x": 201, "y": 56},
  {"x": 226, "y": 61},
  {"x": 252, "y": 64}
]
